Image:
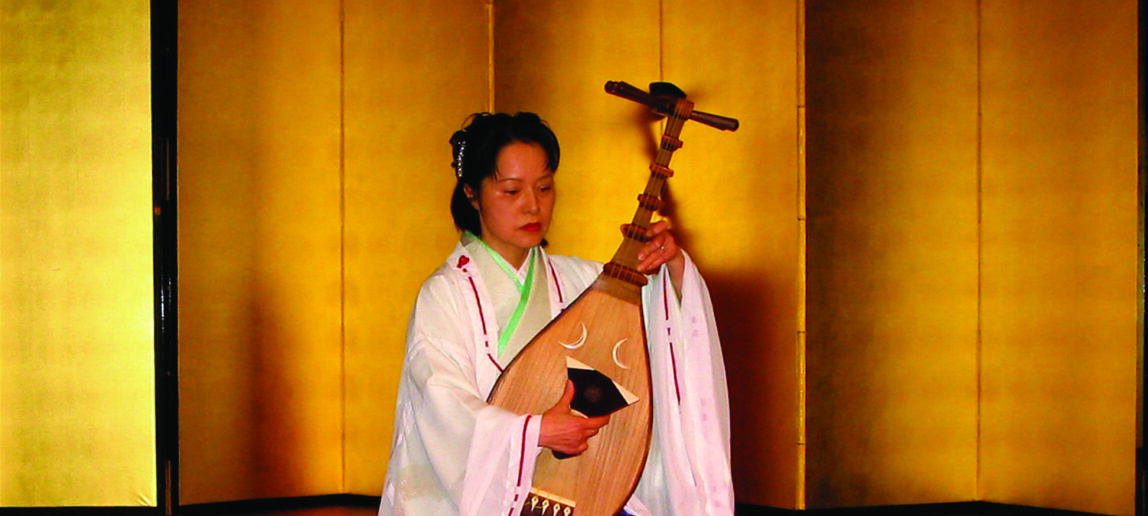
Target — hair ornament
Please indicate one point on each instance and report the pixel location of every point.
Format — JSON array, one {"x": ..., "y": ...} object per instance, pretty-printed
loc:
[{"x": 458, "y": 143}]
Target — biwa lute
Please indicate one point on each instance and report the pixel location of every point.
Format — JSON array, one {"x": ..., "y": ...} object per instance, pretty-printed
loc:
[{"x": 599, "y": 343}]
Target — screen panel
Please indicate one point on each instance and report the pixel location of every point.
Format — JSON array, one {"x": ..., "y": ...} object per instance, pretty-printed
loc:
[
  {"x": 415, "y": 71},
  {"x": 1060, "y": 234},
  {"x": 77, "y": 367},
  {"x": 260, "y": 408},
  {"x": 892, "y": 242}
]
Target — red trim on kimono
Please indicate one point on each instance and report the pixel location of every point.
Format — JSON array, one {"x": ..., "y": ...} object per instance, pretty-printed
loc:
[
  {"x": 670, "y": 338},
  {"x": 557, "y": 284},
  {"x": 481, "y": 316}
]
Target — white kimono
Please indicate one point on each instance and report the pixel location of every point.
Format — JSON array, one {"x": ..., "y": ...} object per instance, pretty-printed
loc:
[{"x": 453, "y": 454}]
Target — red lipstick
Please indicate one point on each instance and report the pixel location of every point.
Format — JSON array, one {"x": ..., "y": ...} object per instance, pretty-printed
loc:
[{"x": 533, "y": 227}]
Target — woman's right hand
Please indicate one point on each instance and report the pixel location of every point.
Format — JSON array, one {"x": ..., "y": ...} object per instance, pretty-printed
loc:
[{"x": 565, "y": 431}]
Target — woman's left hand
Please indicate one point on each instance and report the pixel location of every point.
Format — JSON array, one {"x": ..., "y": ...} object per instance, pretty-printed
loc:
[{"x": 660, "y": 249}]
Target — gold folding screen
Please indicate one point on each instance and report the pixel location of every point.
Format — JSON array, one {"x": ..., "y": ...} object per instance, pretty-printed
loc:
[
  {"x": 77, "y": 369},
  {"x": 972, "y": 253},
  {"x": 945, "y": 201},
  {"x": 1058, "y": 251},
  {"x": 414, "y": 71},
  {"x": 891, "y": 96},
  {"x": 330, "y": 277},
  {"x": 315, "y": 179},
  {"x": 971, "y": 293},
  {"x": 260, "y": 239}
]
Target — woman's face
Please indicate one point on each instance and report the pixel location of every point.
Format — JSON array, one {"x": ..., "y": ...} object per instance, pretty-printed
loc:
[{"x": 516, "y": 202}]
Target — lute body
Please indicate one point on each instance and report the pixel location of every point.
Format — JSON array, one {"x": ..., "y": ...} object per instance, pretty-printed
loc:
[{"x": 608, "y": 330}]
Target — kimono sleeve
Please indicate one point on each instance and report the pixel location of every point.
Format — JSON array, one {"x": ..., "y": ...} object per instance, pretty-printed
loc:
[
  {"x": 688, "y": 470},
  {"x": 480, "y": 457}
]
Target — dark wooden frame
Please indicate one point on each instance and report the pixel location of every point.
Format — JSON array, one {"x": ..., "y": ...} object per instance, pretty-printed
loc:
[{"x": 164, "y": 75}]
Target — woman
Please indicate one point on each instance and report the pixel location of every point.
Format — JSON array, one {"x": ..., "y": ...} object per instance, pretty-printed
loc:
[{"x": 453, "y": 453}]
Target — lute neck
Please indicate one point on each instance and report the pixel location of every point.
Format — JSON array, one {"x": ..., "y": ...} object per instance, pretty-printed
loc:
[{"x": 624, "y": 265}]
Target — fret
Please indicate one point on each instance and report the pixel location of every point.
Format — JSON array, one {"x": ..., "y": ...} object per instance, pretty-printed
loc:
[
  {"x": 671, "y": 143},
  {"x": 650, "y": 202}
]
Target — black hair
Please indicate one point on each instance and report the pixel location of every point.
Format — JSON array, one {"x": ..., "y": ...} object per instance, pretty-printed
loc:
[{"x": 476, "y": 149}]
